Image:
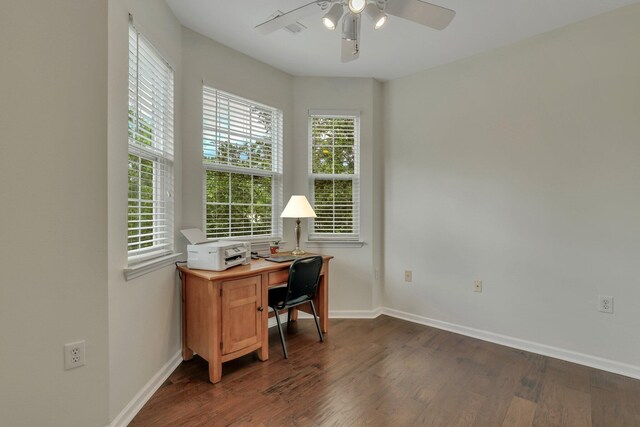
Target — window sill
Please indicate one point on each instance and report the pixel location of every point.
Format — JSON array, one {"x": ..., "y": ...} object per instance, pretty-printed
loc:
[
  {"x": 145, "y": 267},
  {"x": 252, "y": 240},
  {"x": 334, "y": 243}
]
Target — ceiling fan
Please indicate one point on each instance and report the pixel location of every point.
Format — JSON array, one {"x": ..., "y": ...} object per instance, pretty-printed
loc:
[{"x": 351, "y": 12}]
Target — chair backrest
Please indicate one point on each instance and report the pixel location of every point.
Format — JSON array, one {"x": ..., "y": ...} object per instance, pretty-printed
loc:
[{"x": 304, "y": 275}]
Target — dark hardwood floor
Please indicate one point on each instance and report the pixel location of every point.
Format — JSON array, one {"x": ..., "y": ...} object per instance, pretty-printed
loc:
[{"x": 389, "y": 372}]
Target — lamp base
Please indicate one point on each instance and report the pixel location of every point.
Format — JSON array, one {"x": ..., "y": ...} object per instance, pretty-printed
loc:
[{"x": 297, "y": 252}]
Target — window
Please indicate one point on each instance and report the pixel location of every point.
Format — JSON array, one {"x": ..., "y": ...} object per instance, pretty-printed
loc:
[
  {"x": 334, "y": 141},
  {"x": 150, "y": 170},
  {"x": 242, "y": 157}
]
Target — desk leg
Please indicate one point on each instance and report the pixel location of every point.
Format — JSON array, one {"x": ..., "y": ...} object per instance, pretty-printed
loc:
[
  {"x": 263, "y": 352},
  {"x": 187, "y": 353},
  {"x": 215, "y": 371},
  {"x": 323, "y": 300},
  {"x": 214, "y": 328},
  {"x": 294, "y": 314}
]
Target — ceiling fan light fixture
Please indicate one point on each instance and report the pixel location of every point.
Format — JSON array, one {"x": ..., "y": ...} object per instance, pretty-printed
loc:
[
  {"x": 351, "y": 11},
  {"x": 331, "y": 18},
  {"x": 378, "y": 17},
  {"x": 357, "y": 6},
  {"x": 350, "y": 27}
]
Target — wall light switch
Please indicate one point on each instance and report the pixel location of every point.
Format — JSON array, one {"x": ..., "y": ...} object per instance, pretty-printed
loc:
[{"x": 408, "y": 276}]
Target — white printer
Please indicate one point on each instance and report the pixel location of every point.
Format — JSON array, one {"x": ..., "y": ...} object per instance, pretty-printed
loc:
[{"x": 203, "y": 254}]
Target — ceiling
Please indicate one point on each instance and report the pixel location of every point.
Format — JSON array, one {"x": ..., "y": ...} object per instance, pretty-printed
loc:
[{"x": 400, "y": 48}]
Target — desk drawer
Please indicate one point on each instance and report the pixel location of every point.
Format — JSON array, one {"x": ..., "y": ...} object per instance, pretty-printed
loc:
[{"x": 278, "y": 277}]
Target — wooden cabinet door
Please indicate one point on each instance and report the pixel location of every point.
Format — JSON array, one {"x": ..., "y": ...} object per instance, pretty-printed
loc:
[{"x": 241, "y": 313}]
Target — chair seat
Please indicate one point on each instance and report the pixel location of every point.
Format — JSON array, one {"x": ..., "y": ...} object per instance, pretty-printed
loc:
[{"x": 277, "y": 297}]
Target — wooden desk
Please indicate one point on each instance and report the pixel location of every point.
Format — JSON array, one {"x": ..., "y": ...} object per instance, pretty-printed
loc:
[{"x": 225, "y": 314}]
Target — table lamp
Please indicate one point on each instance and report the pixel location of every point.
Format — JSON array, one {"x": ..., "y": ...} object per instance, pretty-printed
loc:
[{"x": 298, "y": 207}]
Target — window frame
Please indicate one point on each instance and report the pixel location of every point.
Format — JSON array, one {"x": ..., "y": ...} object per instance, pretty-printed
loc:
[
  {"x": 346, "y": 238},
  {"x": 159, "y": 151},
  {"x": 275, "y": 173}
]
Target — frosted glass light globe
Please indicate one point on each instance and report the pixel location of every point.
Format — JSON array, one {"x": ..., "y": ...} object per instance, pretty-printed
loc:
[{"x": 357, "y": 6}]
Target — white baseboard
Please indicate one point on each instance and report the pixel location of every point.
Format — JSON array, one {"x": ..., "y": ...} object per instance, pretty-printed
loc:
[
  {"x": 133, "y": 407},
  {"x": 334, "y": 314},
  {"x": 355, "y": 314},
  {"x": 533, "y": 347}
]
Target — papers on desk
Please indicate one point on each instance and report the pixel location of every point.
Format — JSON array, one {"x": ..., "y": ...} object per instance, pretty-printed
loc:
[
  {"x": 281, "y": 258},
  {"x": 195, "y": 236}
]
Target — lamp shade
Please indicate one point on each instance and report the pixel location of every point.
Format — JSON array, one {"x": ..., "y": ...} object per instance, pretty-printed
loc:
[{"x": 298, "y": 207}]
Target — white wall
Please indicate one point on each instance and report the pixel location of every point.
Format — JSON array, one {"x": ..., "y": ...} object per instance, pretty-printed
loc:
[
  {"x": 377, "y": 178},
  {"x": 228, "y": 70},
  {"x": 144, "y": 313},
  {"x": 520, "y": 167},
  {"x": 352, "y": 269},
  {"x": 53, "y": 214}
]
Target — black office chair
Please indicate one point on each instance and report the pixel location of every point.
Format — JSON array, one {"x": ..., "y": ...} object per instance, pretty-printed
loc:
[{"x": 302, "y": 285}]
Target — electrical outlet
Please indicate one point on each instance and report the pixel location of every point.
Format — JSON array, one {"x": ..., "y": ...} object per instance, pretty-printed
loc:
[
  {"x": 477, "y": 286},
  {"x": 376, "y": 274},
  {"x": 73, "y": 355},
  {"x": 408, "y": 276},
  {"x": 605, "y": 304}
]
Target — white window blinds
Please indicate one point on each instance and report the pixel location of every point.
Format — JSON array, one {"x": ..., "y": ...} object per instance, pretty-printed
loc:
[
  {"x": 150, "y": 161},
  {"x": 242, "y": 156},
  {"x": 334, "y": 165}
]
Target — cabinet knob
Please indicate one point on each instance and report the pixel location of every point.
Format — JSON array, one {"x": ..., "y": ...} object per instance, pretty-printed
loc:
[{"x": 260, "y": 308}]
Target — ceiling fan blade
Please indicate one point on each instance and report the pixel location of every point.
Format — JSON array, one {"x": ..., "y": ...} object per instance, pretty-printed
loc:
[
  {"x": 289, "y": 18},
  {"x": 350, "y": 45},
  {"x": 424, "y": 13},
  {"x": 350, "y": 50}
]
